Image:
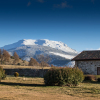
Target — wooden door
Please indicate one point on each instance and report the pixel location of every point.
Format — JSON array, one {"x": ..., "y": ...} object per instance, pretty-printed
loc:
[{"x": 98, "y": 70}]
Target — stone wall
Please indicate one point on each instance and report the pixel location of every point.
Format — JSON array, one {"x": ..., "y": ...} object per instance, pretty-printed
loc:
[
  {"x": 27, "y": 72},
  {"x": 88, "y": 67}
]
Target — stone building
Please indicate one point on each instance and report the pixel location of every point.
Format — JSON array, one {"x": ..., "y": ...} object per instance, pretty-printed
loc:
[{"x": 88, "y": 62}]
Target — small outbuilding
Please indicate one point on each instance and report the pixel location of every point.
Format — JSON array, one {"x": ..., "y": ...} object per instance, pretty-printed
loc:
[{"x": 88, "y": 62}]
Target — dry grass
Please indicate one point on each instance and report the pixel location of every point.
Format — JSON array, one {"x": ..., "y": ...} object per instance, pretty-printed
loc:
[
  {"x": 22, "y": 67},
  {"x": 24, "y": 88}
]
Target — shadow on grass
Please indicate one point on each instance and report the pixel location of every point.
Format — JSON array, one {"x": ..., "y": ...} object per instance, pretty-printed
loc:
[
  {"x": 93, "y": 82},
  {"x": 22, "y": 84}
]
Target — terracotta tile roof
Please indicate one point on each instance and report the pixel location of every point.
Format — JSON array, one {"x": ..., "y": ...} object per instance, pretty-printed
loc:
[{"x": 88, "y": 55}]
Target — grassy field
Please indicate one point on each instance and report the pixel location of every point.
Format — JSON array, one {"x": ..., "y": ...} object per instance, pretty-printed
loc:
[{"x": 26, "y": 88}]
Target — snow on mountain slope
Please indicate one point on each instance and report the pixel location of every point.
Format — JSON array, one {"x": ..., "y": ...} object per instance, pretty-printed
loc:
[
  {"x": 71, "y": 64},
  {"x": 19, "y": 43},
  {"x": 63, "y": 55},
  {"x": 29, "y": 42},
  {"x": 43, "y": 42},
  {"x": 58, "y": 45},
  {"x": 59, "y": 52}
]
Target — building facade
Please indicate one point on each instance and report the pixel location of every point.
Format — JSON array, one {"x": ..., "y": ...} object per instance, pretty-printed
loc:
[{"x": 88, "y": 62}]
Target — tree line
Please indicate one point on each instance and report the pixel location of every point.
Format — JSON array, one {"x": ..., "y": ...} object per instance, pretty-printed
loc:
[
  {"x": 42, "y": 60},
  {"x": 5, "y": 57}
]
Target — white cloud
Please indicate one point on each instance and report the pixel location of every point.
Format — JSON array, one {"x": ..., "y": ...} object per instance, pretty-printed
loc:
[
  {"x": 62, "y": 5},
  {"x": 98, "y": 49},
  {"x": 29, "y": 3},
  {"x": 41, "y": 1},
  {"x": 92, "y": 1},
  {"x": 92, "y": 49}
]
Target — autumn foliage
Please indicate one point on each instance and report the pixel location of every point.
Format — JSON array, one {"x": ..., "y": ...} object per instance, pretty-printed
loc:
[
  {"x": 4, "y": 56},
  {"x": 16, "y": 58},
  {"x": 33, "y": 62}
]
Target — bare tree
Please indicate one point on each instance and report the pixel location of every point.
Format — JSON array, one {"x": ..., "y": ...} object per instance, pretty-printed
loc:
[
  {"x": 33, "y": 62},
  {"x": 52, "y": 65},
  {"x": 43, "y": 60},
  {"x": 16, "y": 58},
  {"x": 44, "y": 64},
  {"x": 1, "y": 55}
]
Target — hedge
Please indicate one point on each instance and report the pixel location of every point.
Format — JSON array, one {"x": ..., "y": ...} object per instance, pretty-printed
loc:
[{"x": 63, "y": 76}]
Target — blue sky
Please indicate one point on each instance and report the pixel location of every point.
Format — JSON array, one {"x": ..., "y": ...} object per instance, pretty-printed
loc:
[{"x": 74, "y": 22}]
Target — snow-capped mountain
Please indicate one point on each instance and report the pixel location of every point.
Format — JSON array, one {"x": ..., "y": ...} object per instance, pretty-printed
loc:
[
  {"x": 71, "y": 64},
  {"x": 59, "y": 52}
]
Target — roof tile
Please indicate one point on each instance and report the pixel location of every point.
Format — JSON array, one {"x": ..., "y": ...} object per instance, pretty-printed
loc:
[{"x": 88, "y": 55}]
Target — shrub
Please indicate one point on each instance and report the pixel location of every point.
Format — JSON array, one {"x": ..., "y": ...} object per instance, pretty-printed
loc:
[
  {"x": 2, "y": 73},
  {"x": 89, "y": 78},
  {"x": 12, "y": 57},
  {"x": 16, "y": 74},
  {"x": 98, "y": 80},
  {"x": 18, "y": 64},
  {"x": 63, "y": 76}
]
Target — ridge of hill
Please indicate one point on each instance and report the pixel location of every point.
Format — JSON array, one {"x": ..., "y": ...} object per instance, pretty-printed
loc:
[{"x": 59, "y": 52}]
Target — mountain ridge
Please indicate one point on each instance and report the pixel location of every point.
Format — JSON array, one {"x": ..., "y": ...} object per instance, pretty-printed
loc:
[
  {"x": 27, "y": 48},
  {"x": 44, "y": 42}
]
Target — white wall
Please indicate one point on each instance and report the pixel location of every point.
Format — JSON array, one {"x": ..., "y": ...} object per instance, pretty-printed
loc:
[{"x": 88, "y": 67}]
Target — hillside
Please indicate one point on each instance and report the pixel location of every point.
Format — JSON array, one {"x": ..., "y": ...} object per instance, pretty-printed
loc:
[
  {"x": 59, "y": 52},
  {"x": 11, "y": 60}
]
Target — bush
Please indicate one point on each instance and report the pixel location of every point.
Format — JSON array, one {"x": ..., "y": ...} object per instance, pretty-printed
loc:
[
  {"x": 18, "y": 64},
  {"x": 12, "y": 57},
  {"x": 2, "y": 73},
  {"x": 16, "y": 74},
  {"x": 89, "y": 78},
  {"x": 63, "y": 76},
  {"x": 98, "y": 79}
]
